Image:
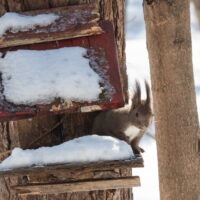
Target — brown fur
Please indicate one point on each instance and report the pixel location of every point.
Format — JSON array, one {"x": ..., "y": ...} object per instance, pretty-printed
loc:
[{"x": 115, "y": 122}]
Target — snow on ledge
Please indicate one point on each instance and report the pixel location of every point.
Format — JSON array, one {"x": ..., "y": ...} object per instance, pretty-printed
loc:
[
  {"x": 15, "y": 22},
  {"x": 84, "y": 149},
  {"x": 39, "y": 76}
]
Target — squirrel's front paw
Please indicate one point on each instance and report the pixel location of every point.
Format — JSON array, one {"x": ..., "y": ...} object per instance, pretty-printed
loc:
[{"x": 138, "y": 150}]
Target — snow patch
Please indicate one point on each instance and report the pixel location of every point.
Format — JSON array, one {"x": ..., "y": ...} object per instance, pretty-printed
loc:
[
  {"x": 84, "y": 149},
  {"x": 15, "y": 22},
  {"x": 39, "y": 76}
]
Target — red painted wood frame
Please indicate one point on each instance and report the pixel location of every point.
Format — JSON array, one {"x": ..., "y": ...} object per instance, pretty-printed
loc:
[
  {"x": 103, "y": 41},
  {"x": 74, "y": 21}
]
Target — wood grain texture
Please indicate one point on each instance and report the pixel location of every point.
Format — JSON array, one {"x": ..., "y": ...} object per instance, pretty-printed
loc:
[
  {"x": 3, "y": 7},
  {"x": 58, "y": 3},
  {"x": 169, "y": 47},
  {"x": 35, "y": 4},
  {"x": 78, "y": 186},
  {"x": 85, "y": 24},
  {"x": 79, "y": 167},
  {"x": 15, "y": 5},
  {"x": 114, "y": 11}
]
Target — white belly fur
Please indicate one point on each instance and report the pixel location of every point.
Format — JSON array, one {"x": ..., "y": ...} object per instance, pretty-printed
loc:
[{"x": 132, "y": 132}]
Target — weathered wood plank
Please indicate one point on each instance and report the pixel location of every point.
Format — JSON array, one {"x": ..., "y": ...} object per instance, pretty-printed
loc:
[
  {"x": 84, "y": 18},
  {"x": 78, "y": 186},
  {"x": 82, "y": 167}
]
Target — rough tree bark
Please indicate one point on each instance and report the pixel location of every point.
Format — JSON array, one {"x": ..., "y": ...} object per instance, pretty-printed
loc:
[
  {"x": 197, "y": 8},
  {"x": 22, "y": 133},
  {"x": 169, "y": 47}
]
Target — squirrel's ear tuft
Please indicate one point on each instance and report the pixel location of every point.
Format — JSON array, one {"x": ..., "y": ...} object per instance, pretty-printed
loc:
[
  {"x": 136, "y": 100},
  {"x": 148, "y": 99}
]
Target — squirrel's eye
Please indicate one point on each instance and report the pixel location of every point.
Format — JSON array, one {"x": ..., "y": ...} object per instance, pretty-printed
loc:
[{"x": 137, "y": 114}]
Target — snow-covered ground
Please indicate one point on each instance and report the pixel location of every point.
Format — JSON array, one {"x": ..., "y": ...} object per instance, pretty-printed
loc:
[
  {"x": 90, "y": 148},
  {"x": 138, "y": 67}
]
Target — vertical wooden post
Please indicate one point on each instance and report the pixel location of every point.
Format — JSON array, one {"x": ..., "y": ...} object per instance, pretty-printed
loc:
[
  {"x": 169, "y": 47},
  {"x": 21, "y": 133}
]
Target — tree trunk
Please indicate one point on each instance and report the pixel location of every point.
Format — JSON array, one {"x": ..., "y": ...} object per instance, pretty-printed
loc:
[
  {"x": 169, "y": 47},
  {"x": 24, "y": 133},
  {"x": 197, "y": 8}
]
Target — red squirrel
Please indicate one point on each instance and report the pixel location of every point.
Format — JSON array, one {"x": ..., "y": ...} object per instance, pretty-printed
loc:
[{"x": 128, "y": 123}]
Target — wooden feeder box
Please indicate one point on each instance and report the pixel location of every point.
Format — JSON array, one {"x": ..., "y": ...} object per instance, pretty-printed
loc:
[
  {"x": 55, "y": 179},
  {"x": 100, "y": 43},
  {"x": 71, "y": 29}
]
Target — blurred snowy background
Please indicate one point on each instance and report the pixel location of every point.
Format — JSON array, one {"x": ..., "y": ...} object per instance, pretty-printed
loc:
[{"x": 138, "y": 68}]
